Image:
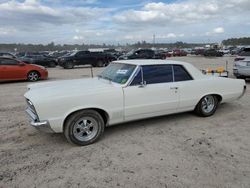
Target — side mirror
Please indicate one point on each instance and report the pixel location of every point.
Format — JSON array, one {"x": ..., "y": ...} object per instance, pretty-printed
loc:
[
  {"x": 21, "y": 64},
  {"x": 142, "y": 84}
]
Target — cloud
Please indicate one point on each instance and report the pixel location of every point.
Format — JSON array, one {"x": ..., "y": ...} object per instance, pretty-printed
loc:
[
  {"x": 77, "y": 37},
  {"x": 180, "y": 12},
  {"x": 94, "y": 21},
  {"x": 218, "y": 30},
  {"x": 31, "y": 13},
  {"x": 7, "y": 31}
]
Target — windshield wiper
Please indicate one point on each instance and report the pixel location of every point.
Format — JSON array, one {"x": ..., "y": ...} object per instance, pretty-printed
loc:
[{"x": 105, "y": 78}]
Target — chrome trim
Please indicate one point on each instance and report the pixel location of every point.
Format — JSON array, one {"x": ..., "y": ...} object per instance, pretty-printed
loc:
[
  {"x": 172, "y": 66},
  {"x": 43, "y": 126},
  {"x": 31, "y": 114},
  {"x": 133, "y": 75}
]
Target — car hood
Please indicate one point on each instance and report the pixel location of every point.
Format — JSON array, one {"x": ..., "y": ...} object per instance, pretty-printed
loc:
[{"x": 65, "y": 88}]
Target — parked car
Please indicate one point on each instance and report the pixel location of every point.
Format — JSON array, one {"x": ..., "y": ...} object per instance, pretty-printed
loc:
[
  {"x": 243, "y": 54},
  {"x": 179, "y": 52},
  {"x": 213, "y": 53},
  {"x": 235, "y": 51},
  {"x": 199, "y": 51},
  {"x": 225, "y": 51},
  {"x": 115, "y": 54},
  {"x": 161, "y": 54},
  {"x": 96, "y": 59},
  {"x": 126, "y": 90},
  {"x": 42, "y": 60},
  {"x": 12, "y": 69},
  {"x": 241, "y": 69},
  {"x": 6, "y": 54},
  {"x": 56, "y": 54},
  {"x": 188, "y": 50},
  {"x": 142, "y": 54}
]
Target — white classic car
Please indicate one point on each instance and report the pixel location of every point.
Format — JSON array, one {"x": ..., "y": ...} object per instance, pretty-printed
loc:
[{"x": 126, "y": 90}]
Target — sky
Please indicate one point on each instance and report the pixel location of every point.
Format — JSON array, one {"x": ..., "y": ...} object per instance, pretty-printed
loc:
[{"x": 122, "y": 21}]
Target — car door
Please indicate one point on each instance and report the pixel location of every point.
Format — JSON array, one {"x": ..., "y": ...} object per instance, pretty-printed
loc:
[
  {"x": 12, "y": 70},
  {"x": 2, "y": 67},
  {"x": 78, "y": 58},
  {"x": 82, "y": 58},
  {"x": 188, "y": 88},
  {"x": 157, "y": 96}
]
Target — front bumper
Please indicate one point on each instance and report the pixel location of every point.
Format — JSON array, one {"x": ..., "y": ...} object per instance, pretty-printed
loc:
[{"x": 43, "y": 126}]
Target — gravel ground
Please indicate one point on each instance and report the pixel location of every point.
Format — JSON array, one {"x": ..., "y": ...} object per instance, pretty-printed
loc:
[{"x": 180, "y": 150}]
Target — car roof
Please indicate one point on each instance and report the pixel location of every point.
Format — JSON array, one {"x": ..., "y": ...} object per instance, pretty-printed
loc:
[
  {"x": 196, "y": 74},
  {"x": 151, "y": 62}
]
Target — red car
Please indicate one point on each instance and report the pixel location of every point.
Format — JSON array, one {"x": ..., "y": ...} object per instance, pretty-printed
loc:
[
  {"x": 12, "y": 69},
  {"x": 178, "y": 52}
]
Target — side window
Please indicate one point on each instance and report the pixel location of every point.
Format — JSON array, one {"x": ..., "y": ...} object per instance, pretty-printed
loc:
[
  {"x": 8, "y": 62},
  {"x": 180, "y": 74},
  {"x": 154, "y": 74},
  {"x": 79, "y": 54}
]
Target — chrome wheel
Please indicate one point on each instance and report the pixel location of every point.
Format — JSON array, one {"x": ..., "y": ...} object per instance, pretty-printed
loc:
[
  {"x": 208, "y": 104},
  {"x": 33, "y": 76},
  {"x": 85, "y": 129}
]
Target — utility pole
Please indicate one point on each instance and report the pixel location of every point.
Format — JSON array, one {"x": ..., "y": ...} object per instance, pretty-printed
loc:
[{"x": 154, "y": 40}]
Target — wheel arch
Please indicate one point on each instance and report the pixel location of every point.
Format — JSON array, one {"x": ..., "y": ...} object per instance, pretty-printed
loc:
[
  {"x": 102, "y": 112},
  {"x": 219, "y": 97}
]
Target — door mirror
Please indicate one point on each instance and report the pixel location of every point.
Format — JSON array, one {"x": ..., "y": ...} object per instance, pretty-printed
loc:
[
  {"x": 21, "y": 64},
  {"x": 142, "y": 84}
]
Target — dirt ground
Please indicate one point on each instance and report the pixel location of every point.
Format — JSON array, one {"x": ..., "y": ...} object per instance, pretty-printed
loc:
[{"x": 180, "y": 150}]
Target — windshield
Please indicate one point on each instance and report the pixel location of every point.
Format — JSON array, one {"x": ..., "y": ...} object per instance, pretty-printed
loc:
[
  {"x": 117, "y": 72},
  {"x": 130, "y": 52},
  {"x": 72, "y": 53}
]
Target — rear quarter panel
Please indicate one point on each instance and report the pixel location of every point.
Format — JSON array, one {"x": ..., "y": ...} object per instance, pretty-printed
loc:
[{"x": 192, "y": 91}]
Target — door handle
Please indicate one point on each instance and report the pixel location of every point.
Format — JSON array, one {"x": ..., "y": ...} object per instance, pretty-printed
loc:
[{"x": 173, "y": 87}]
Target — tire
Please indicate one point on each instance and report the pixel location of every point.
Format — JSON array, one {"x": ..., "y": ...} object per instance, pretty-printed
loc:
[
  {"x": 69, "y": 65},
  {"x": 52, "y": 64},
  {"x": 204, "y": 109},
  {"x": 78, "y": 129},
  {"x": 33, "y": 76},
  {"x": 99, "y": 63}
]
